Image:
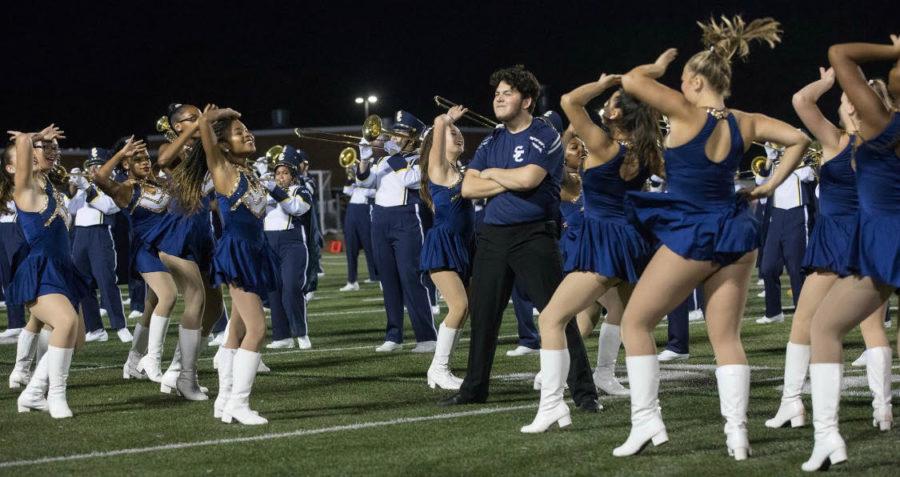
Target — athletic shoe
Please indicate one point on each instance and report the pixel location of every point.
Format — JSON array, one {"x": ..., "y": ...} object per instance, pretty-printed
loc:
[
  {"x": 669, "y": 355},
  {"x": 350, "y": 287},
  {"x": 761, "y": 294},
  {"x": 279, "y": 344},
  {"x": 779, "y": 318},
  {"x": 303, "y": 342},
  {"x": 125, "y": 335},
  {"x": 861, "y": 362},
  {"x": 695, "y": 315},
  {"x": 10, "y": 336},
  {"x": 135, "y": 314},
  {"x": 425, "y": 347},
  {"x": 96, "y": 335},
  {"x": 388, "y": 346},
  {"x": 522, "y": 351}
]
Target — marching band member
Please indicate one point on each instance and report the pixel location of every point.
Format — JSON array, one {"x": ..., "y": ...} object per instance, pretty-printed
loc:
[
  {"x": 610, "y": 253},
  {"x": 287, "y": 211},
  {"x": 827, "y": 251},
  {"x": 242, "y": 259},
  {"x": 144, "y": 201},
  {"x": 358, "y": 229},
  {"x": 94, "y": 254},
  {"x": 314, "y": 238},
  {"x": 519, "y": 166},
  {"x": 447, "y": 251},
  {"x": 46, "y": 280},
  {"x": 872, "y": 253},
  {"x": 708, "y": 233},
  {"x": 397, "y": 235},
  {"x": 787, "y": 235}
]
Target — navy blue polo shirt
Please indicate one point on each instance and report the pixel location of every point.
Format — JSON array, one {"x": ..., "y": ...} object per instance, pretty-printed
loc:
[{"x": 540, "y": 145}]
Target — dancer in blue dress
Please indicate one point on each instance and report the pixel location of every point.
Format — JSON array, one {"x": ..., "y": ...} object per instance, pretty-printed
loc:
[
  {"x": 826, "y": 253},
  {"x": 610, "y": 252},
  {"x": 45, "y": 280},
  {"x": 449, "y": 244},
  {"x": 243, "y": 258},
  {"x": 186, "y": 246},
  {"x": 145, "y": 202},
  {"x": 708, "y": 233},
  {"x": 874, "y": 247}
]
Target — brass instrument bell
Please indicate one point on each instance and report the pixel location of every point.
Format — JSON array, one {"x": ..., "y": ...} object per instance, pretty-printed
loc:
[
  {"x": 272, "y": 156},
  {"x": 163, "y": 126}
]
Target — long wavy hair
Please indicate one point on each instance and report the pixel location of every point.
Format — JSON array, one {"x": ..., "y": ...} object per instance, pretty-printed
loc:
[
  {"x": 640, "y": 123},
  {"x": 424, "y": 153},
  {"x": 725, "y": 39},
  {"x": 186, "y": 180}
]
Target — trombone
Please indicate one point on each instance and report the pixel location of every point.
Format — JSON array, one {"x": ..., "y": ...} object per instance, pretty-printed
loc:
[
  {"x": 485, "y": 121},
  {"x": 372, "y": 128},
  {"x": 348, "y": 159}
]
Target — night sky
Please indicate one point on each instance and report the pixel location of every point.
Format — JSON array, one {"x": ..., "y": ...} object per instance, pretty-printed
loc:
[{"x": 109, "y": 69}]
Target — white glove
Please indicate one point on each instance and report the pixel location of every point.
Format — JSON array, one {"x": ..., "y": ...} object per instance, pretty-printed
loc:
[
  {"x": 269, "y": 185},
  {"x": 80, "y": 182},
  {"x": 391, "y": 147},
  {"x": 773, "y": 153},
  {"x": 261, "y": 167}
]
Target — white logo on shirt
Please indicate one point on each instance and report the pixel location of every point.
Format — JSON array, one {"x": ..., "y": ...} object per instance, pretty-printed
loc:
[{"x": 517, "y": 154}]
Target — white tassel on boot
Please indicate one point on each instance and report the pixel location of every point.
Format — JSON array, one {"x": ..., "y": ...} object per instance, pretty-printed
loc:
[
  {"x": 796, "y": 362},
  {"x": 33, "y": 396},
  {"x": 607, "y": 351},
  {"x": 439, "y": 373},
  {"x": 553, "y": 409},
  {"x": 137, "y": 351},
  {"x": 186, "y": 383},
  {"x": 226, "y": 378},
  {"x": 734, "y": 394},
  {"x": 878, "y": 371},
  {"x": 245, "y": 364},
  {"x": 25, "y": 350},
  {"x": 825, "y": 382},
  {"x": 58, "y": 362},
  {"x": 151, "y": 363},
  {"x": 646, "y": 419}
]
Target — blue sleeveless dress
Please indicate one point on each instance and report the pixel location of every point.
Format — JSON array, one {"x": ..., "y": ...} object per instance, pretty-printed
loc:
[
  {"x": 189, "y": 236},
  {"x": 147, "y": 213},
  {"x": 450, "y": 242},
  {"x": 45, "y": 265},
  {"x": 875, "y": 245},
  {"x": 836, "y": 222},
  {"x": 700, "y": 217},
  {"x": 573, "y": 221},
  {"x": 243, "y": 256},
  {"x": 608, "y": 244}
]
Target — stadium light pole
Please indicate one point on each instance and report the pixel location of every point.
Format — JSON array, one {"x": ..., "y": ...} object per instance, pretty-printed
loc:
[{"x": 371, "y": 99}]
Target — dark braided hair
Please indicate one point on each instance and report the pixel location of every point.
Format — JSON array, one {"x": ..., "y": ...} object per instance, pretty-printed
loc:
[{"x": 186, "y": 184}]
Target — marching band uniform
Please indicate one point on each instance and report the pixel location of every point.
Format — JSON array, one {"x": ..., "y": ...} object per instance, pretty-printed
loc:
[
  {"x": 11, "y": 239},
  {"x": 786, "y": 239},
  {"x": 358, "y": 231},
  {"x": 286, "y": 213},
  {"x": 314, "y": 239},
  {"x": 397, "y": 236},
  {"x": 94, "y": 254}
]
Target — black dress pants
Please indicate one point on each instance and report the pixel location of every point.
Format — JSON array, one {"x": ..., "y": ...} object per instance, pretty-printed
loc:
[{"x": 529, "y": 255}]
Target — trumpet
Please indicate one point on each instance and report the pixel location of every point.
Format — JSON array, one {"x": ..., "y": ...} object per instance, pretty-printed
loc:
[
  {"x": 272, "y": 156},
  {"x": 163, "y": 126},
  {"x": 482, "y": 120}
]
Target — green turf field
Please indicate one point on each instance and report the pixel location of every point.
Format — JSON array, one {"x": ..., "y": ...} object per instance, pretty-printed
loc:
[{"x": 342, "y": 409}]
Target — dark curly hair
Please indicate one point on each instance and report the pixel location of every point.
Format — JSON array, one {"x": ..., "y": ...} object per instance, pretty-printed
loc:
[
  {"x": 521, "y": 80},
  {"x": 641, "y": 123}
]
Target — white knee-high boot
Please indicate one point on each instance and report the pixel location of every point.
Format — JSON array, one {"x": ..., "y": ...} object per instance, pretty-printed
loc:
[
  {"x": 796, "y": 362},
  {"x": 226, "y": 378},
  {"x": 25, "y": 349},
  {"x": 217, "y": 357},
  {"x": 186, "y": 382},
  {"x": 825, "y": 381},
  {"x": 245, "y": 364},
  {"x": 33, "y": 396},
  {"x": 170, "y": 377},
  {"x": 553, "y": 409},
  {"x": 607, "y": 351},
  {"x": 734, "y": 393},
  {"x": 646, "y": 419},
  {"x": 43, "y": 343},
  {"x": 878, "y": 371},
  {"x": 151, "y": 363},
  {"x": 137, "y": 351},
  {"x": 58, "y": 362},
  {"x": 439, "y": 373}
]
